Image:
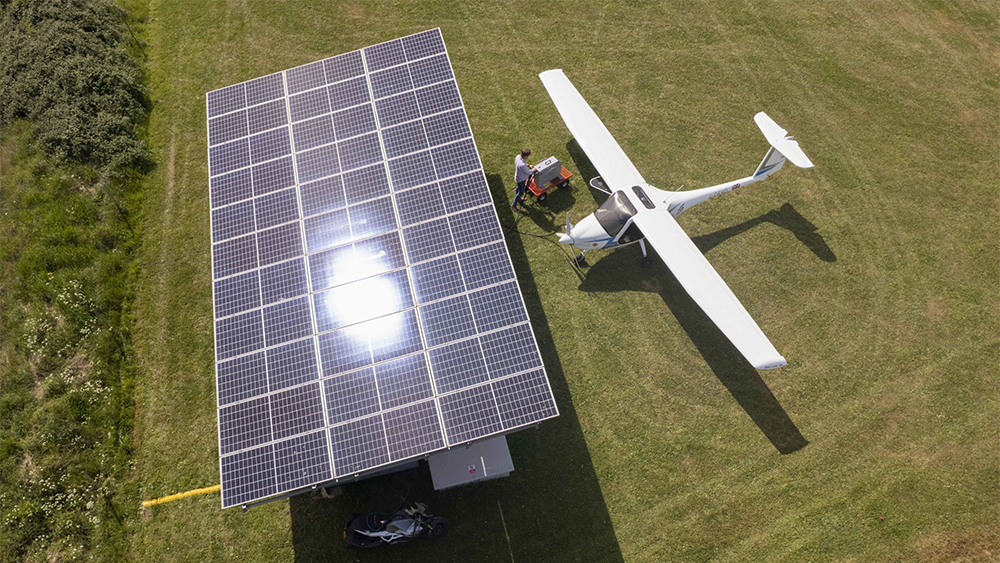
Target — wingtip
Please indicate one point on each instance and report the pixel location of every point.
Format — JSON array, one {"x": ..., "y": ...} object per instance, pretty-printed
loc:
[{"x": 772, "y": 363}]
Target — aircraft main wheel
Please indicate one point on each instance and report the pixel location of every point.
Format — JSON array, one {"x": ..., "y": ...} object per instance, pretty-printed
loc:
[{"x": 645, "y": 261}]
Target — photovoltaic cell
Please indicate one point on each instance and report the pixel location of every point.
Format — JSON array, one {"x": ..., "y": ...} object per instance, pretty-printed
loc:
[
  {"x": 247, "y": 424},
  {"x": 384, "y": 55},
  {"x": 270, "y": 145},
  {"x": 234, "y": 256},
  {"x": 509, "y": 351},
  {"x": 351, "y": 395},
  {"x": 366, "y": 183},
  {"x": 391, "y": 81},
  {"x": 475, "y": 227},
  {"x": 242, "y": 378},
  {"x": 428, "y": 240},
  {"x": 446, "y": 321},
  {"x": 412, "y": 170},
  {"x": 276, "y": 208},
  {"x": 422, "y": 44},
  {"x": 318, "y": 163},
  {"x": 453, "y": 159},
  {"x": 498, "y": 306},
  {"x": 470, "y": 414},
  {"x": 309, "y": 104},
  {"x": 404, "y": 139},
  {"x": 227, "y": 127},
  {"x": 430, "y": 71},
  {"x": 287, "y": 320},
  {"x": 419, "y": 204},
  {"x": 465, "y": 191},
  {"x": 343, "y": 67},
  {"x": 524, "y": 398},
  {"x": 344, "y": 350},
  {"x": 447, "y": 127},
  {"x": 301, "y": 461},
  {"x": 267, "y": 116},
  {"x": 229, "y": 156},
  {"x": 438, "y": 97},
  {"x": 232, "y": 221},
  {"x": 291, "y": 364},
  {"x": 403, "y": 381},
  {"x": 247, "y": 476},
  {"x": 313, "y": 133},
  {"x": 485, "y": 265},
  {"x": 226, "y": 100},
  {"x": 272, "y": 176},
  {"x": 359, "y": 151},
  {"x": 265, "y": 89},
  {"x": 348, "y": 93},
  {"x": 282, "y": 281},
  {"x": 305, "y": 77},
  {"x": 457, "y": 366},
  {"x": 358, "y": 445},
  {"x": 280, "y": 243},
  {"x": 413, "y": 430},
  {"x": 354, "y": 121},
  {"x": 437, "y": 279},
  {"x": 237, "y": 294},
  {"x": 366, "y": 310},
  {"x": 397, "y": 109},
  {"x": 230, "y": 188},
  {"x": 296, "y": 410},
  {"x": 322, "y": 195}
]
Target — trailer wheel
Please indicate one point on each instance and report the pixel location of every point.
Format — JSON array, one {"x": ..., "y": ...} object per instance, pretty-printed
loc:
[
  {"x": 542, "y": 196},
  {"x": 564, "y": 183}
]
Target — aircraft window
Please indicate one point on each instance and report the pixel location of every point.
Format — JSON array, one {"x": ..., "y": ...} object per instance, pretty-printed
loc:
[
  {"x": 614, "y": 213},
  {"x": 643, "y": 197},
  {"x": 631, "y": 234}
]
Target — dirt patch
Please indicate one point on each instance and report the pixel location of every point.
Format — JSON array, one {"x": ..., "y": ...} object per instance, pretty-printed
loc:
[
  {"x": 976, "y": 545},
  {"x": 936, "y": 309},
  {"x": 27, "y": 471}
]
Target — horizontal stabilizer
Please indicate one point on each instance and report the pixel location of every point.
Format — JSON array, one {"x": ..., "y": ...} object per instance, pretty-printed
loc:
[{"x": 781, "y": 142}]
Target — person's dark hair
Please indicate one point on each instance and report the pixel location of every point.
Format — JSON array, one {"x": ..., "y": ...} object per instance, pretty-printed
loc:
[{"x": 525, "y": 153}]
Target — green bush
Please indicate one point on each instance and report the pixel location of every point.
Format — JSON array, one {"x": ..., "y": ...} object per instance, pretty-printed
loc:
[
  {"x": 64, "y": 67},
  {"x": 72, "y": 107}
]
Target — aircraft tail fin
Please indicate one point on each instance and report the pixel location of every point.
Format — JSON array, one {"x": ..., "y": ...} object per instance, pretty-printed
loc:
[{"x": 783, "y": 146}]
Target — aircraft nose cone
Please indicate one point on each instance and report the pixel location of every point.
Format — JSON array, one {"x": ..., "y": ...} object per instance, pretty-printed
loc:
[{"x": 565, "y": 238}]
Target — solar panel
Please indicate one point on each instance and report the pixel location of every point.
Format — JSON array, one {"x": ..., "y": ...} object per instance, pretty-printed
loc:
[{"x": 366, "y": 310}]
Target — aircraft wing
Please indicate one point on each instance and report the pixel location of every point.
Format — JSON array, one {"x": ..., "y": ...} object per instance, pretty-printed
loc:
[
  {"x": 707, "y": 289},
  {"x": 608, "y": 158}
]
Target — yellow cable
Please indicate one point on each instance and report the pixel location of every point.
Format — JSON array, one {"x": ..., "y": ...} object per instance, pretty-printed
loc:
[{"x": 168, "y": 498}]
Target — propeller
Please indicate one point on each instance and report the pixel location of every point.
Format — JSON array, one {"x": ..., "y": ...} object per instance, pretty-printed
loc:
[{"x": 567, "y": 237}]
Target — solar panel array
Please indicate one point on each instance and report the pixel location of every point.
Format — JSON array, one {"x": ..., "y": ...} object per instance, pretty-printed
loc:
[{"x": 366, "y": 310}]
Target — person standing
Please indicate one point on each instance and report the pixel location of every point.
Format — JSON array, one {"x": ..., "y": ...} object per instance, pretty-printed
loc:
[{"x": 522, "y": 171}]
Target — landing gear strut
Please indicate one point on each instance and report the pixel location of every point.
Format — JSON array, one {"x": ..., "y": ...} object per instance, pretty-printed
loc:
[{"x": 646, "y": 260}]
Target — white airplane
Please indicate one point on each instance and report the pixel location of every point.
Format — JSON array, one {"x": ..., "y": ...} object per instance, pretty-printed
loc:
[{"x": 636, "y": 212}]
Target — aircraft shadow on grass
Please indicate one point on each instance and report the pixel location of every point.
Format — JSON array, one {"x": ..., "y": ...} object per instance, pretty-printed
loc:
[
  {"x": 620, "y": 271},
  {"x": 549, "y": 509}
]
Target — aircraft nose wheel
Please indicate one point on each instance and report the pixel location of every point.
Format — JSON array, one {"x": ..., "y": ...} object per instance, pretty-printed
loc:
[{"x": 580, "y": 259}]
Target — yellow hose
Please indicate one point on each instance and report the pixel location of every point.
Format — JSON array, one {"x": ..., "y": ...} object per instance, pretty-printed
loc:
[{"x": 168, "y": 498}]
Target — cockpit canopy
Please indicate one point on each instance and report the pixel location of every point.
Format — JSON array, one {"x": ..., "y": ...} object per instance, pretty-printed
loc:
[{"x": 614, "y": 213}]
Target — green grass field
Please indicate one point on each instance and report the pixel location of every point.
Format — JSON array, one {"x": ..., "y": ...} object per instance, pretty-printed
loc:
[{"x": 875, "y": 274}]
